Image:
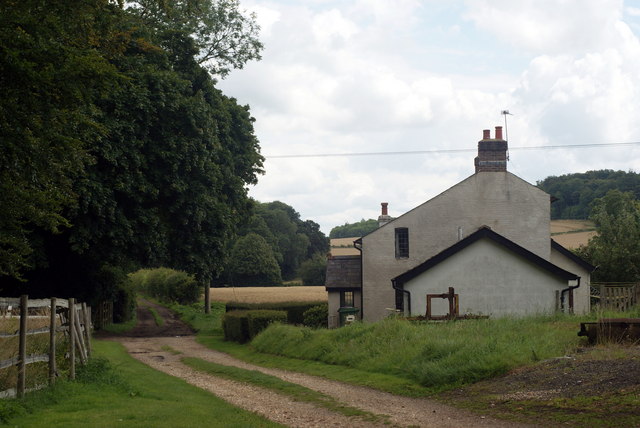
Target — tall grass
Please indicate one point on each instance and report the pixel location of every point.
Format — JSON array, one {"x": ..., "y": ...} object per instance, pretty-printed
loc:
[{"x": 437, "y": 355}]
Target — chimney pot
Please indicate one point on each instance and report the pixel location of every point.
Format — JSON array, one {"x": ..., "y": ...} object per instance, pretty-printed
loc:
[
  {"x": 498, "y": 132},
  {"x": 384, "y": 208},
  {"x": 486, "y": 134}
]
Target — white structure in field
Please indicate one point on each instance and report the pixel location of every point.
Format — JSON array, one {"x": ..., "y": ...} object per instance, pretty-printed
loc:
[{"x": 488, "y": 237}]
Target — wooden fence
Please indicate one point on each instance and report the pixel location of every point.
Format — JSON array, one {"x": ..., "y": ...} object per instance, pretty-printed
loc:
[
  {"x": 75, "y": 323},
  {"x": 618, "y": 296}
]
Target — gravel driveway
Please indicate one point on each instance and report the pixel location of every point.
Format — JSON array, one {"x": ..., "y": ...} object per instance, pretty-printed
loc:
[{"x": 158, "y": 347}]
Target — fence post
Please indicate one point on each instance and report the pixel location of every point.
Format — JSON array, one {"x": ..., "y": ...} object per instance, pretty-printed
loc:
[
  {"x": 87, "y": 326},
  {"x": 72, "y": 341},
  {"x": 77, "y": 331},
  {"x": 52, "y": 342},
  {"x": 22, "y": 349}
]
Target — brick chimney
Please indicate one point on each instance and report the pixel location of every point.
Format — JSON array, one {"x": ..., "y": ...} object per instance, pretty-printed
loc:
[
  {"x": 384, "y": 217},
  {"x": 492, "y": 152}
]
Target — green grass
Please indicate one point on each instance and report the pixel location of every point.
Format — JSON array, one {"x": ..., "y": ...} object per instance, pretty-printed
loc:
[
  {"x": 156, "y": 316},
  {"x": 206, "y": 324},
  {"x": 121, "y": 327},
  {"x": 381, "y": 381},
  {"x": 102, "y": 398},
  {"x": 295, "y": 391},
  {"x": 436, "y": 355}
]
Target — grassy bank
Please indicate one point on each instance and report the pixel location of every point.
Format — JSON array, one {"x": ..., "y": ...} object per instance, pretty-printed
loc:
[
  {"x": 399, "y": 356},
  {"x": 101, "y": 397},
  {"x": 405, "y": 357},
  {"x": 436, "y": 355}
]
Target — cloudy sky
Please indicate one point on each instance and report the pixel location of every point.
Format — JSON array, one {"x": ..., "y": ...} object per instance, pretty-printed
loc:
[{"x": 376, "y": 76}]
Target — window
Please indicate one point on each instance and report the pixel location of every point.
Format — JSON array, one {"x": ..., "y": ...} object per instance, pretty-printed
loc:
[
  {"x": 346, "y": 299},
  {"x": 402, "y": 242}
]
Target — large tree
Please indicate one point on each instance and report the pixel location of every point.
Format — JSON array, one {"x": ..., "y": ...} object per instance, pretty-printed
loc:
[
  {"x": 224, "y": 36},
  {"x": 252, "y": 263},
  {"x": 171, "y": 159},
  {"x": 52, "y": 61},
  {"x": 615, "y": 250}
]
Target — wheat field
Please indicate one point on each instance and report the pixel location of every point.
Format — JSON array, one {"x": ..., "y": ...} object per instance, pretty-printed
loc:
[{"x": 268, "y": 294}]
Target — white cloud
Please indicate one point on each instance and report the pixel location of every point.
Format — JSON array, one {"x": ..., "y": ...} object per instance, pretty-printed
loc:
[
  {"x": 343, "y": 77},
  {"x": 548, "y": 26}
]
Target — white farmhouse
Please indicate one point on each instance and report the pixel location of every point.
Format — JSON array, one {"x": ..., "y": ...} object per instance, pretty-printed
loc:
[{"x": 487, "y": 237}]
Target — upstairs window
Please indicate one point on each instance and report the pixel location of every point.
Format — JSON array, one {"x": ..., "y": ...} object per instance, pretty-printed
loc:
[{"x": 402, "y": 242}]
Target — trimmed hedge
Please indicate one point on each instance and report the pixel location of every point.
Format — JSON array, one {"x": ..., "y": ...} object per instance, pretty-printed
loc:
[
  {"x": 317, "y": 316},
  {"x": 243, "y": 325},
  {"x": 295, "y": 310}
]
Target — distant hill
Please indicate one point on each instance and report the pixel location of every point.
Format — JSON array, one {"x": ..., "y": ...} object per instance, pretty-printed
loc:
[
  {"x": 575, "y": 192},
  {"x": 360, "y": 228}
]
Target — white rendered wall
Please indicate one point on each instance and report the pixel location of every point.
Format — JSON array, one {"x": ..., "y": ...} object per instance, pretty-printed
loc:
[
  {"x": 490, "y": 280},
  {"x": 509, "y": 205},
  {"x": 581, "y": 295}
]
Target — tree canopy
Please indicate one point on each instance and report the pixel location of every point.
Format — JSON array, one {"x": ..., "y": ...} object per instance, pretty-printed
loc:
[
  {"x": 350, "y": 230},
  {"x": 117, "y": 149},
  {"x": 575, "y": 192},
  {"x": 224, "y": 36},
  {"x": 252, "y": 263},
  {"x": 615, "y": 250},
  {"x": 291, "y": 240},
  {"x": 50, "y": 64}
]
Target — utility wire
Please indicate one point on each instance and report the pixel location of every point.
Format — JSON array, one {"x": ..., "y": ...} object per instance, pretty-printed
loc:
[{"x": 439, "y": 151}]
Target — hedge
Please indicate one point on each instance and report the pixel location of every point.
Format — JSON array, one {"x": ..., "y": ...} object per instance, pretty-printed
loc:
[
  {"x": 295, "y": 310},
  {"x": 243, "y": 325}
]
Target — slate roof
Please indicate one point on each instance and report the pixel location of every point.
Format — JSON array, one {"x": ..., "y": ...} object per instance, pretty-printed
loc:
[
  {"x": 484, "y": 232},
  {"x": 343, "y": 272},
  {"x": 570, "y": 255}
]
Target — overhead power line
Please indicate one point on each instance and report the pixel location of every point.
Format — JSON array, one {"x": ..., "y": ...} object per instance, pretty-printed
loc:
[{"x": 444, "y": 151}]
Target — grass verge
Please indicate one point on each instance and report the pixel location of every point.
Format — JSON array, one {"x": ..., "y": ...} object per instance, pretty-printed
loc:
[
  {"x": 121, "y": 327},
  {"x": 295, "y": 391},
  {"x": 381, "y": 381},
  {"x": 156, "y": 317},
  {"x": 102, "y": 398}
]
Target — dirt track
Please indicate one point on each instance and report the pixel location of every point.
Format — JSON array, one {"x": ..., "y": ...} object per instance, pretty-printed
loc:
[{"x": 163, "y": 347}]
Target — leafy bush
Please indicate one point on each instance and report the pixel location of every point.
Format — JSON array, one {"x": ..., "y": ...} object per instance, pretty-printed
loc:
[
  {"x": 314, "y": 270},
  {"x": 112, "y": 283},
  {"x": 167, "y": 285},
  {"x": 316, "y": 316},
  {"x": 242, "y": 326},
  {"x": 295, "y": 310}
]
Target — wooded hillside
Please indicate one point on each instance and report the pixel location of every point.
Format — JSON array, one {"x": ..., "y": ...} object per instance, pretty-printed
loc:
[{"x": 575, "y": 192}]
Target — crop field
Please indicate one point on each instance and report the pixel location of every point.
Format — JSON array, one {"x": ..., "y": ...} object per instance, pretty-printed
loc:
[
  {"x": 572, "y": 233},
  {"x": 343, "y": 247},
  {"x": 268, "y": 294}
]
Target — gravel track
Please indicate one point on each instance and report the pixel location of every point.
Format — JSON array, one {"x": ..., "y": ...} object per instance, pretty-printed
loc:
[{"x": 156, "y": 349}]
